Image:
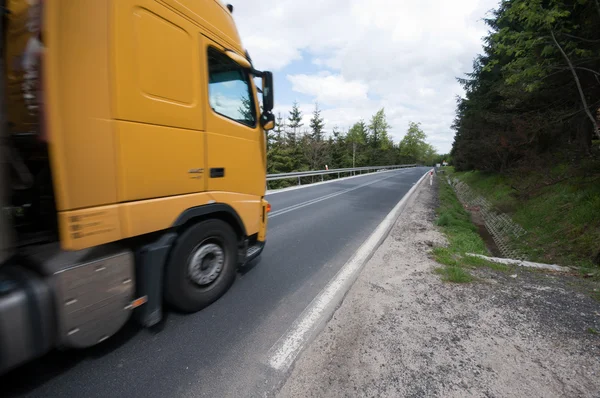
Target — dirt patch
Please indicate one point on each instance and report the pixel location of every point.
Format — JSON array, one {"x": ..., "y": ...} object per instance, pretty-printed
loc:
[{"x": 401, "y": 332}]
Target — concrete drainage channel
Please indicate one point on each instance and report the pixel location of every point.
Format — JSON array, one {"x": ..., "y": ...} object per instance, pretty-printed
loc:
[{"x": 503, "y": 229}]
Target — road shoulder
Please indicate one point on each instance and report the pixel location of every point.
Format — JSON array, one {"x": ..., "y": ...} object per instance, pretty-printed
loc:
[{"x": 403, "y": 332}]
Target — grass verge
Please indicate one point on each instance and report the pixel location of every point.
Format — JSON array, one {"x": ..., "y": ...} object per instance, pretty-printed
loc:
[
  {"x": 463, "y": 238},
  {"x": 454, "y": 274}
]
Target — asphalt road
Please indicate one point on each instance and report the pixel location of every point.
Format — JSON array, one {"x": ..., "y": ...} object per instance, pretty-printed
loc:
[{"x": 223, "y": 350}]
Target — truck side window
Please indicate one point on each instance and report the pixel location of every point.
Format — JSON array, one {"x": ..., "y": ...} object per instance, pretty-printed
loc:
[{"x": 229, "y": 89}]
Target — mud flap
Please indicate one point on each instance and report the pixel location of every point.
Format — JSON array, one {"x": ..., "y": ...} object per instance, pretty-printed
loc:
[{"x": 150, "y": 265}]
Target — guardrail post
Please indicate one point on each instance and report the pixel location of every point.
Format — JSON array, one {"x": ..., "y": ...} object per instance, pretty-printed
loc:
[
  {"x": 299, "y": 183},
  {"x": 321, "y": 177},
  {"x": 338, "y": 175}
]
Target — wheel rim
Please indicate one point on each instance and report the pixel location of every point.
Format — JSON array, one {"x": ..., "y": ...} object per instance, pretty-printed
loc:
[{"x": 206, "y": 263}]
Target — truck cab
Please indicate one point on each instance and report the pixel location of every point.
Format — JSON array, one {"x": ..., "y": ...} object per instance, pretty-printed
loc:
[{"x": 133, "y": 166}]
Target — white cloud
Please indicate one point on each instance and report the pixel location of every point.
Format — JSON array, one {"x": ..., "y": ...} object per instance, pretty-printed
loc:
[
  {"x": 263, "y": 49},
  {"x": 329, "y": 89},
  {"x": 401, "y": 54}
]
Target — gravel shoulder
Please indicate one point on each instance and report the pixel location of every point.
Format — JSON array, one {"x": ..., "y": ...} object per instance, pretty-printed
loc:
[{"x": 402, "y": 332}]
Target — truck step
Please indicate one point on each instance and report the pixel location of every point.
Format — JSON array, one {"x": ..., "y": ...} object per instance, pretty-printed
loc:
[{"x": 254, "y": 251}]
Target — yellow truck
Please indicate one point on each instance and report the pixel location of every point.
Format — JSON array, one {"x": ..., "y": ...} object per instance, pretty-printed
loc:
[{"x": 133, "y": 157}]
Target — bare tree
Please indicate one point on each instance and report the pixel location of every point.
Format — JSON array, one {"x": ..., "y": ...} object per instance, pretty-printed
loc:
[{"x": 577, "y": 82}]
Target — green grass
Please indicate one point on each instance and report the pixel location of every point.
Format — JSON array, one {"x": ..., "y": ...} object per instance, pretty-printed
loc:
[
  {"x": 592, "y": 331},
  {"x": 454, "y": 274},
  {"x": 562, "y": 219},
  {"x": 462, "y": 237}
]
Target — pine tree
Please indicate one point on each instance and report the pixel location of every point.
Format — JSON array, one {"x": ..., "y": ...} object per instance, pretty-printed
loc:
[
  {"x": 294, "y": 123},
  {"x": 279, "y": 125},
  {"x": 276, "y": 135},
  {"x": 338, "y": 147},
  {"x": 317, "y": 124},
  {"x": 378, "y": 138},
  {"x": 278, "y": 159},
  {"x": 292, "y": 141},
  {"x": 316, "y": 150}
]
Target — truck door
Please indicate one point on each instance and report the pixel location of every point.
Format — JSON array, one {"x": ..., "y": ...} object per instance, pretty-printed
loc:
[
  {"x": 233, "y": 134},
  {"x": 159, "y": 101}
]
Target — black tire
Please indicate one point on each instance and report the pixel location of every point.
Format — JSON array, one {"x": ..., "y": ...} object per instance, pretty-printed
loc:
[{"x": 181, "y": 291}]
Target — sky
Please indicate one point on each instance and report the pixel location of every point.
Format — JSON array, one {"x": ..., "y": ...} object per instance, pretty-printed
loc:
[{"x": 353, "y": 57}]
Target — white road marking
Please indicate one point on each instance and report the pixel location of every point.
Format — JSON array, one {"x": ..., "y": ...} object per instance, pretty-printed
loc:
[
  {"x": 286, "y": 349},
  {"x": 276, "y": 191},
  {"x": 276, "y": 213}
]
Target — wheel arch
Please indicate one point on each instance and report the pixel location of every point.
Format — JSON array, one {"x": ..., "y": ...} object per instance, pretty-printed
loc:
[{"x": 220, "y": 211}]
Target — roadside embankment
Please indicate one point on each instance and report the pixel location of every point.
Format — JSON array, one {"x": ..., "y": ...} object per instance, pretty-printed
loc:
[
  {"x": 559, "y": 208},
  {"x": 402, "y": 331}
]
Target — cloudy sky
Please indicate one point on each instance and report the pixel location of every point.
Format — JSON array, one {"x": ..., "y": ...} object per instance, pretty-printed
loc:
[{"x": 356, "y": 56}]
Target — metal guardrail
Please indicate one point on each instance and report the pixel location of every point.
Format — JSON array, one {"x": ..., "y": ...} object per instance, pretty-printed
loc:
[{"x": 339, "y": 172}]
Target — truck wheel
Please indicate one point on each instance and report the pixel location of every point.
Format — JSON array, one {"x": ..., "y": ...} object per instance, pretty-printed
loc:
[{"x": 202, "y": 265}]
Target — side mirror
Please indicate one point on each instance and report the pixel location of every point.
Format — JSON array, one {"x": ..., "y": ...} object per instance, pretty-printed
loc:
[
  {"x": 267, "y": 121},
  {"x": 267, "y": 91}
]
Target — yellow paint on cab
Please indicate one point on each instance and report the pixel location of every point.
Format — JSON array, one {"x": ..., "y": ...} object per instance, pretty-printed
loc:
[
  {"x": 132, "y": 136},
  {"x": 158, "y": 161},
  {"x": 78, "y": 103}
]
